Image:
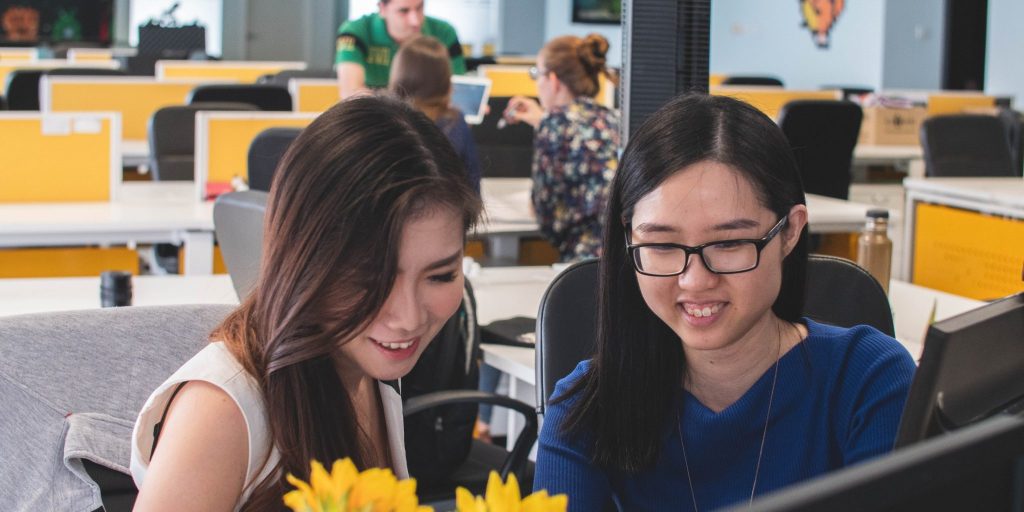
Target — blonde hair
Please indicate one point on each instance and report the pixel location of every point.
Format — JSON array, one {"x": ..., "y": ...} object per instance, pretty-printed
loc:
[
  {"x": 421, "y": 74},
  {"x": 578, "y": 62}
]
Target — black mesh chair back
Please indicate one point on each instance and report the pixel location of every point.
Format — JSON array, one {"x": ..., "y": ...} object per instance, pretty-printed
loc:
[
  {"x": 265, "y": 153},
  {"x": 966, "y": 145},
  {"x": 261, "y": 96},
  {"x": 504, "y": 152},
  {"x": 85, "y": 72},
  {"x": 566, "y": 326},
  {"x": 22, "y": 89},
  {"x": 1013, "y": 123},
  {"x": 172, "y": 139},
  {"x": 281, "y": 78},
  {"x": 862, "y": 301},
  {"x": 822, "y": 134},
  {"x": 764, "y": 81},
  {"x": 567, "y": 317}
]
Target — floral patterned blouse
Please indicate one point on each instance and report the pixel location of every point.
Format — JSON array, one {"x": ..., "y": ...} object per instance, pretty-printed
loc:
[{"x": 575, "y": 156}]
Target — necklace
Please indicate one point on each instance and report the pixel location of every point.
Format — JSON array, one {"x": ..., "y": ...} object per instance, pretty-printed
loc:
[{"x": 760, "y": 451}]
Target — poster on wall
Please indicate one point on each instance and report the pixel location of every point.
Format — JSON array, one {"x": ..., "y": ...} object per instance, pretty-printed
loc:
[
  {"x": 27, "y": 23},
  {"x": 597, "y": 11},
  {"x": 819, "y": 16}
]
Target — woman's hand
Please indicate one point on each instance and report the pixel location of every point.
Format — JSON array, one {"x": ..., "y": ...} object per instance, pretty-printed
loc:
[{"x": 524, "y": 110}]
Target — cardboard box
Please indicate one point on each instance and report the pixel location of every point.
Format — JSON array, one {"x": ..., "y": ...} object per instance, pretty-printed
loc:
[{"x": 885, "y": 126}]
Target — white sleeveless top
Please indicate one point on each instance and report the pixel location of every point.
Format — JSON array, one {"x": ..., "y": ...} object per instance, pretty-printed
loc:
[{"x": 216, "y": 365}]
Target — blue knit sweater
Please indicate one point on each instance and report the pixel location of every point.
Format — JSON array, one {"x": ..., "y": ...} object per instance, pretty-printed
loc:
[{"x": 838, "y": 401}]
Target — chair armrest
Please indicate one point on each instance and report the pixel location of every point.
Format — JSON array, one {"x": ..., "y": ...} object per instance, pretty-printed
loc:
[{"x": 516, "y": 461}]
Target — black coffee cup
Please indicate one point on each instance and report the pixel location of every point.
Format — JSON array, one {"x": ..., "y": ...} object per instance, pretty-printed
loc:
[{"x": 115, "y": 289}]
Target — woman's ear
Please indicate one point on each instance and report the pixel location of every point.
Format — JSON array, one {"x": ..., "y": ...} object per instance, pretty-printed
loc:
[{"x": 797, "y": 219}]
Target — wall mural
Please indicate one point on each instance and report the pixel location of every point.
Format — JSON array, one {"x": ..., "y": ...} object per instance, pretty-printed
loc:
[{"x": 819, "y": 17}]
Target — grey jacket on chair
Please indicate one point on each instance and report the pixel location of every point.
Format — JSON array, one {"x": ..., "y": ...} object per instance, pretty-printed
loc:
[{"x": 71, "y": 386}]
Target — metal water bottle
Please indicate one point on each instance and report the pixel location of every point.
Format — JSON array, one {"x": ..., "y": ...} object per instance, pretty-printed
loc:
[{"x": 874, "y": 249}]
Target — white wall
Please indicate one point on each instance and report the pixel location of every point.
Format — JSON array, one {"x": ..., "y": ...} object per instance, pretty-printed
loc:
[
  {"x": 914, "y": 33},
  {"x": 475, "y": 21},
  {"x": 766, "y": 37},
  {"x": 559, "y": 23},
  {"x": 1004, "y": 65}
]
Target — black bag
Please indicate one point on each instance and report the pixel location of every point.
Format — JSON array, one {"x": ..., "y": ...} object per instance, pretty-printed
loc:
[{"x": 438, "y": 440}]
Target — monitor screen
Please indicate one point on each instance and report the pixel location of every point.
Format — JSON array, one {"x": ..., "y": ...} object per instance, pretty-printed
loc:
[
  {"x": 55, "y": 21},
  {"x": 469, "y": 95},
  {"x": 976, "y": 468},
  {"x": 971, "y": 368}
]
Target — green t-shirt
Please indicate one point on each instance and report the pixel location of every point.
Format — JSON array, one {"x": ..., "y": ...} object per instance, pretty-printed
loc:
[{"x": 365, "y": 41}]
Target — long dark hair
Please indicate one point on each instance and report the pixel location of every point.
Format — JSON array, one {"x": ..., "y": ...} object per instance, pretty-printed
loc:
[
  {"x": 421, "y": 73},
  {"x": 625, "y": 400},
  {"x": 339, "y": 200}
]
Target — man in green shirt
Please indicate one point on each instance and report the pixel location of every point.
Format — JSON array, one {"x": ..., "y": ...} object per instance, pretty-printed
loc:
[{"x": 366, "y": 45}]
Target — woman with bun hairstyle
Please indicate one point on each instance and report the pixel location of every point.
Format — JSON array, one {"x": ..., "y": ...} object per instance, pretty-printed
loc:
[
  {"x": 421, "y": 74},
  {"x": 576, "y": 143}
]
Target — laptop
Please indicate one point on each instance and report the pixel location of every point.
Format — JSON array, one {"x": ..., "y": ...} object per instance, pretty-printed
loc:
[{"x": 470, "y": 94}]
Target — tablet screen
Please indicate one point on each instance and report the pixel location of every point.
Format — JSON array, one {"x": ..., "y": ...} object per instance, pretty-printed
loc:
[{"x": 469, "y": 94}]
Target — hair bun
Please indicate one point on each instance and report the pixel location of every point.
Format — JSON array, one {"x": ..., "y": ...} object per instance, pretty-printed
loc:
[{"x": 592, "y": 51}]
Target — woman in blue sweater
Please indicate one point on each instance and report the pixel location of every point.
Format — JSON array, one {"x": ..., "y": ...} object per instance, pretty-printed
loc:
[{"x": 708, "y": 387}]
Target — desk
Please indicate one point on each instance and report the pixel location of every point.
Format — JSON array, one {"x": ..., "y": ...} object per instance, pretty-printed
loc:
[
  {"x": 909, "y": 159},
  {"x": 965, "y": 235},
  {"x": 144, "y": 213}
]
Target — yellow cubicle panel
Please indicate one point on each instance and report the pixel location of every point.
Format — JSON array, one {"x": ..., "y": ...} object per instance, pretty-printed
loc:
[
  {"x": 59, "y": 157},
  {"x": 7, "y": 66},
  {"x": 135, "y": 98},
  {"x": 957, "y": 103},
  {"x": 967, "y": 253},
  {"x": 313, "y": 94},
  {"x": 516, "y": 81},
  {"x": 771, "y": 99},
  {"x": 716, "y": 79},
  {"x": 66, "y": 261},
  {"x": 223, "y": 138},
  {"x": 8, "y": 54},
  {"x": 236, "y": 71}
]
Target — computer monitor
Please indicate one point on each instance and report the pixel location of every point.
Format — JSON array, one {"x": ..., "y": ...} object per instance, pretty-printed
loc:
[
  {"x": 469, "y": 94},
  {"x": 972, "y": 367},
  {"x": 980, "y": 467}
]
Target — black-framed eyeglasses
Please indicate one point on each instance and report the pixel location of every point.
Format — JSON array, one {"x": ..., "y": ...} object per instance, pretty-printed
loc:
[
  {"x": 720, "y": 257},
  {"x": 536, "y": 73}
]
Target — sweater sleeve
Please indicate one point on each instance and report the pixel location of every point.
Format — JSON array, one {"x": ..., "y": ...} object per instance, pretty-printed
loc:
[
  {"x": 878, "y": 375},
  {"x": 564, "y": 465}
]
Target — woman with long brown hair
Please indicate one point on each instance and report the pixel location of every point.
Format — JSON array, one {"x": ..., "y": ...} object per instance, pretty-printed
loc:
[
  {"x": 421, "y": 74},
  {"x": 361, "y": 266}
]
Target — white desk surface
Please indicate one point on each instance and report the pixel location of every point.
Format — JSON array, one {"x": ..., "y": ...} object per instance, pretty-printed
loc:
[
  {"x": 867, "y": 153},
  {"x": 508, "y": 209},
  {"x": 989, "y": 192},
  {"x": 134, "y": 153}
]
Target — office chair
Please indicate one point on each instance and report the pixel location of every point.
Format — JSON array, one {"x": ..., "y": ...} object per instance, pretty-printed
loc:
[
  {"x": 505, "y": 152},
  {"x": 567, "y": 332},
  {"x": 84, "y": 72},
  {"x": 265, "y": 153},
  {"x": 262, "y": 96},
  {"x": 172, "y": 139},
  {"x": 22, "y": 89},
  {"x": 238, "y": 223},
  {"x": 73, "y": 385},
  {"x": 966, "y": 145},
  {"x": 822, "y": 134},
  {"x": 763, "y": 81}
]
